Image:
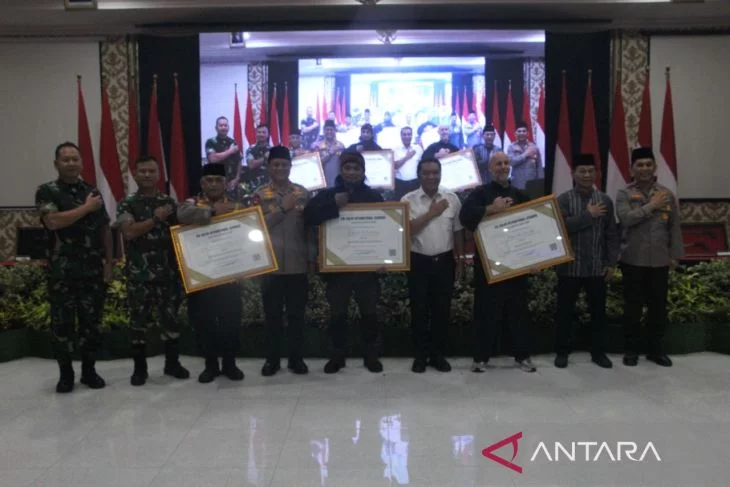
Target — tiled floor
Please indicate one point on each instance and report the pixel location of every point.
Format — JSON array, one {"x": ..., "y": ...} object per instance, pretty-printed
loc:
[{"x": 360, "y": 429}]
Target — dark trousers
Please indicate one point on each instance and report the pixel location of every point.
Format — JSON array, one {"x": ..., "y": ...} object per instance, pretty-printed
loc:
[
  {"x": 280, "y": 291},
  {"x": 76, "y": 307},
  {"x": 216, "y": 314},
  {"x": 495, "y": 305},
  {"x": 568, "y": 290},
  {"x": 645, "y": 286},
  {"x": 430, "y": 287},
  {"x": 366, "y": 288},
  {"x": 403, "y": 187}
]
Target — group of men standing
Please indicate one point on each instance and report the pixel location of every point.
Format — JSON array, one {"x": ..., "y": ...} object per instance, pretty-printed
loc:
[
  {"x": 80, "y": 262},
  {"x": 525, "y": 158}
]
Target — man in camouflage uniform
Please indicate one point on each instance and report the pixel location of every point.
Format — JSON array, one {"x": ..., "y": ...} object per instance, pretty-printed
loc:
[
  {"x": 152, "y": 280},
  {"x": 216, "y": 312},
  {"x": 79, "y": 263},
  {"x": 222, "y": 149},
  {"x": 257, "y": 156}
]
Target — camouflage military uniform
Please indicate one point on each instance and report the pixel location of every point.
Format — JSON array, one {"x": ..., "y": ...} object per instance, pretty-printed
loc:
[
  {"x": 253, "y": 178},
  {"x": 75, "y": 267},
  {"x": 152, "y": 277}
]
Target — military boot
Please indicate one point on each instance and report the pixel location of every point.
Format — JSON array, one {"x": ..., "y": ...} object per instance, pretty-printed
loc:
[
  {"x": 172, "y": 361},
  {"x": 89, "y": 377},
  {"x": 139, "y": 355},
  {"x": 66, "y": 380}
]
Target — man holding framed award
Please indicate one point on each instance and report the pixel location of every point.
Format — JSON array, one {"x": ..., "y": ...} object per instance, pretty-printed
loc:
[
  {"x": 591, "y": 224},
  {"x": 216, "y": 311},
  {"x": 349, "y": 188},
  {"x": 435, "y": 233},
  {"x": 283, "y": 204},
  {"x": 502, "y": 300}
]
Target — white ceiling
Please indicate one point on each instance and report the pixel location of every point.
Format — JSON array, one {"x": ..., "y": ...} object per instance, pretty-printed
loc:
[
  {"x": 114, "y": 17},
  {"x": 216, "y": 48}
]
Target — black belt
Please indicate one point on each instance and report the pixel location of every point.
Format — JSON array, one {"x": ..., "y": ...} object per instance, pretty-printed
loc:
[{"x": 433, "y": 258}]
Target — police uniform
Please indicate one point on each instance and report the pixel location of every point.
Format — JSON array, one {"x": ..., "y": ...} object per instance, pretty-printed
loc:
[
  {"x": 76, "y": 287},
  {"x": 152, "y": 283},
  {"x": 342, "y": 285},
  {"x": 288, "y": 286},
  {"x": 524, "y": 168},
  {"x": 216, "y": 312},
  {"x": 230, "y": 164}
]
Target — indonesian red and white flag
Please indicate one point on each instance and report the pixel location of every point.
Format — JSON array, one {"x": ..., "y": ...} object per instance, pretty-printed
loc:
[
  {"x": 510, "y": 126},
  {"x": 618, "y": 173},
  {"x": 154, "y": 139},
  {"x": 562, "y": 174},
  {"x": 274, "y": 126},
  {"x": 110, "y": 183},
  {"x": 540, "y": 125},
  {"x": 496, "y": 120},
  {"x": 178, "y": 163},
  {"x": 589, "y": 139},
  {"x": 88, "y": 171},
  {"x": 667, "y": 161}
]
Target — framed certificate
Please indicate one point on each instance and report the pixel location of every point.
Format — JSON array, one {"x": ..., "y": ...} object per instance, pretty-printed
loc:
[
  {"x": 232, "y": 246},
  {"x": 459, "y": 171},
  {"x": 306, "y": 170},
  {"x": 522, "y": 238},
  {"x": 379, "y": 169},
  {"x": 366, "y": 237}
]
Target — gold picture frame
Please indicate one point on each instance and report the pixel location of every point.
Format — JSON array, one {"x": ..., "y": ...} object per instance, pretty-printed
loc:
[
  {"x": 374, "y": 220},
  {"x": 528, "y": 223},
  {"x": 236, "y": 247}
]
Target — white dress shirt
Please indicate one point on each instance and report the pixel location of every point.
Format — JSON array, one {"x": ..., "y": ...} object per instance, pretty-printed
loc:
[
  {"x": 437, "y": 236},
  {"x": 407, "y": 172}
]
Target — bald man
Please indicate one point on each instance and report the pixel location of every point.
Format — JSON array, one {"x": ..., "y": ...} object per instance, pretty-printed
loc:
[
  {"x": 505, "y": 300},
  {"x": 442, "y": 148}
]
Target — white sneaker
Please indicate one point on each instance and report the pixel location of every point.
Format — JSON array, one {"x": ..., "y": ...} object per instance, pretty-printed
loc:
[
  {"x": 525, "y": 365},
  {"x": 478, "y": 367}
]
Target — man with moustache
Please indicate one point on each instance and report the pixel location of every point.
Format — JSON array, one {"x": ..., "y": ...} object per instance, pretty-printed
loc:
[
  {"x": 145, "y": 218},
  {"x": 215, "y": 311},
  {"x": 652, "y": 243},
  {"x": 222, "y": 149},
  {"x": 435, "y": 234},
  {"x": 366, "y": 142},
  {"x": 591, "y": 224},
  {"x": 79, "y": 265},
  {"x": 283, "y": 204},
  {"x": 505, "y": 300},
  {"x": 406, "y": 159},
  {"x": 484, "y": 152},
  {"x": 329, "y": 152},
  {"x": 525, "y": 158},
  {"x": 441, "y": 148}
]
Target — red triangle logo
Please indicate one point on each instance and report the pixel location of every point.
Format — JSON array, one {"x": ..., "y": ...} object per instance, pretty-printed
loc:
[{"x": 513, "y": 440}]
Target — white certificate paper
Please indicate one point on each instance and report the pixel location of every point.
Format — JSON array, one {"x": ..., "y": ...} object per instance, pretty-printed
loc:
[
  {"x": 307, "y": 171},
  {"x": 379, "y": 169},
  {"x": 459, "y": 171},
  {"x": 532, "y": 236},
  {"x": 224, "y": 250},
  {"x": 366, "y": 237}
]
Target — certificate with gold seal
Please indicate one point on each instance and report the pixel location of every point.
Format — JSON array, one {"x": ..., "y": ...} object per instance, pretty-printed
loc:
[
  {"x": 379, "y": 169},
  {"x": 523, "y": 238},
  {"x": 366, "y": 237},
  {"x": 232, "y": 246},
  {"x": 459, "y": 171},
  {"x": 306, "y": 170}
]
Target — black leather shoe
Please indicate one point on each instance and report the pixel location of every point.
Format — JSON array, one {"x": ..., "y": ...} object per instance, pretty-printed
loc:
[
  {"x": 660, "y": 359},
  {"x": 601, "y": 360},
  {"x": 271, "y": 367},
  {"x": 139, "y": 375},
  {"x": 231, "y": 371},
  {"x": 631, "y": 360},
  {"x": 89, "y": 377},
  {"x": 561, "y": 360},
  {"x": 419, "y": 366},
  {"x": 176, "y": 370},
  {"x": 373, "y": 364},
  {"x": 66, "y": 381},
  {"x": 208, "y": 375},
  {"x": 440, "y": 363},
  {"x": 334, "y": 365},
  {"x": 297, "y": 366}
]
